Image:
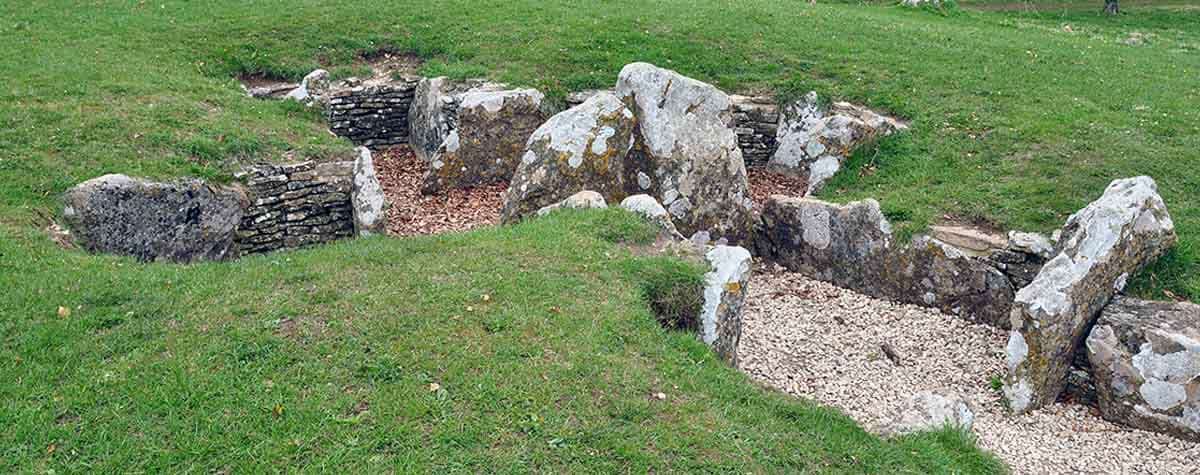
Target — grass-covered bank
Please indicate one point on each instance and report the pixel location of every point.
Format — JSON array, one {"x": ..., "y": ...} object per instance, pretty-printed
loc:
[
  {"x": 507, "y": 350},
  {"x": 1020, "y": 117}
]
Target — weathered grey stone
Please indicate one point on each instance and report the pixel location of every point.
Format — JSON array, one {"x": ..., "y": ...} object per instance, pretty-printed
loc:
[
  {"x": 582, "y": 148},
  {"x": 489, "y": 140},
  {"x": 852, "y": 246},
  {"x": 1145, "y": 359},
  {"x": 315, "y": 85},
  {"x": 370, "y": 216},
  {"x": 685, "y": 152},
  {"x": 1100, "y": 247},
  {"x": 185, "y": 221},
  {"x": 583, "y": 200},
  {"x": 927, "y": 411},
  {"x": 652, "y": 210},
  {"x": 814, "y": 141},
  {"x": 431, "y": 116},
  {"x": 724, "y": 294},
  {"x": 968, "y": 239}
]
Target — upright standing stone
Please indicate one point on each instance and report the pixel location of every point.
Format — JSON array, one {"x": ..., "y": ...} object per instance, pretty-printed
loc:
[
  {"x": 685, "y": 151},
  {"x": 487, "y": 144},
  {"x": 367, "y": 196},
  {"x": 1101, "y": 247},
  {"x": 582, "y": 148},
  {"x": 724, "y": 294}
]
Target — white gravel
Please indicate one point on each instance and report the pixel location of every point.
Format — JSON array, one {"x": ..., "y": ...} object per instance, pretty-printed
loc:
[{"x": 818, "y": 341}]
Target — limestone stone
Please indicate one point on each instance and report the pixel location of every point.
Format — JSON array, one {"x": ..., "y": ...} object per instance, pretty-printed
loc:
[
  {"x": 314, "y": 85},
  {"x": 184, "y": 221},
  {"x": 1145, "y": 359},
  {"x": 685, "y": 152},
  {"x": 654, "y": 211},
  {"x": 431, "y": 116},
  {"x": 852, "y": 246},
  {"x": 969, "y": 239},
  {"x": 814, "y": 141},
  {"x": 929, "y": 410},
  {"x": 1100, "y": 247},
  {"x": 488, "y": 141},
  {"x": 582, "y": 148},
  {"x": 586, "y": 199},
  {"x": 370, "y": 216},
  {"x": 724, "y": 295}
]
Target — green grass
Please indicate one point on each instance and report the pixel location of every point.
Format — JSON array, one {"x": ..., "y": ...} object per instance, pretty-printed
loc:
[{"x": 323, "y": 359}]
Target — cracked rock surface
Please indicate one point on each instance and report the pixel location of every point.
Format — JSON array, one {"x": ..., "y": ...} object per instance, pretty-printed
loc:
[{"x": 814, "y": 340}]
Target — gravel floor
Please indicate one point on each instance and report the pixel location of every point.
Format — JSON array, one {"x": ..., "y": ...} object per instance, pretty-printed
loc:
[
  {"x": 412, "y": 213},
  {"x": 812, "y": 339}
]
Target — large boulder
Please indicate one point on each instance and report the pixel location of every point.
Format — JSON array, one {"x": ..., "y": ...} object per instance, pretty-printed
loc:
[
  {"x": 582, "y": 148},
  {"x": 488, "y": 141},
  {"x": 852, "y": 246},
  {"x": 433, "y": 112},
  {"x": 724, "y": 295},
  {"x": 1100, "y": 247},
  {"x": 685, "y": 152},
  {"x": 1145, "y": 359},
  {"x": 928, "y": 411},
  {"x": 370, "y": 204},
  {"x": 814, "y": 141},
  {"x": 184, "y": 221}
]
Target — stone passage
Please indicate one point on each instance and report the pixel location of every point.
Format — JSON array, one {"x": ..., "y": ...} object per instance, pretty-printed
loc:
[
  {"x": 295, "y": 205},
  {"x": 373, "y": 114},
  {"x": 852, "y": 246}
]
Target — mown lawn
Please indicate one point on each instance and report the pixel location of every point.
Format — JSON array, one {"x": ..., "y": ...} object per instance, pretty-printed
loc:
[{"x": 508, "y": 350}]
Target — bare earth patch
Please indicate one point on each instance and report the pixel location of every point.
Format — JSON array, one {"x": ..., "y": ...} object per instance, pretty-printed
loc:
[
  {"x": 412, "y": 213},
  {"x": 764, "y": 183},
  {"x": 815, "y": 340}
]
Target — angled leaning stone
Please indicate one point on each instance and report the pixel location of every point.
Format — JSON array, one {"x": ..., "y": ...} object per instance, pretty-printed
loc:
[{"x": 1101, "y": 246}]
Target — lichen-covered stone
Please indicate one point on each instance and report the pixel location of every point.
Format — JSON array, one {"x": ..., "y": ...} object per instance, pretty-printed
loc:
[
  {"x": 1100, "y": 247},
  {"x": 586, "y": 199},
  {"x": 184, "y": 221},
  {"x": 1145, "y": 359},
  {"x": 431, "y": 116},
  {"x": 652, "y": 210},
  {"x": 928, "y": 411},
  {"x": 582, "y": 148},
  {"x": 852, "y": 246},
  {"x": 685, "y": 152},
  {"x": 370, "y": 216},
  {"x": 488, "y": 141},
  {"x": 724, "y": 295},
  {"x": 814, "y": 141}
]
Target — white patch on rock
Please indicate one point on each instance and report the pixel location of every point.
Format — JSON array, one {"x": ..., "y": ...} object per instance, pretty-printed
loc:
[
  {"x": 643, "y": 181},
  {"x": 1016, "y": 351},
  {"x": 815, "y": 221},
  {"x": 730, "y": 266},
  {"x": 367, "y": 196},
  {"x": 1162, "y": 395}
]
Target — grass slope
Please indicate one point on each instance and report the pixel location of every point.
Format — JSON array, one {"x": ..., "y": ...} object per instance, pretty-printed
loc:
[{"x": 323, "y": 359}]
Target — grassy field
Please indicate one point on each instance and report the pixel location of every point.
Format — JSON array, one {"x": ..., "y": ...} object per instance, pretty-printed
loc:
[
  {"x": 381, "y": 354},
  {"x": 325, "y": 357}
]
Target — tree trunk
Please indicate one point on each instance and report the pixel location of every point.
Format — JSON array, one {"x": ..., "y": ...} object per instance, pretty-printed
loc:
[{"x": 1111, "y": 7}]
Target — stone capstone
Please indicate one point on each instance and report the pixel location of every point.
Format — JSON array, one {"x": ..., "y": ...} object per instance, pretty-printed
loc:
[
  {"x": 852, "y": 246},
  {"x": 582, "y": 148},
  {"x": 724, "y": 295},
  {"x": 814, "y": 141},
  {"x": 488, "y": 140},
  {"x": 685, "y": 151},
  {"x": 583, "y": 200},
  {"x": 367, "y": 197},
  {"x": 1145, "y": 359},
  {"x": 184, "y": 221},
  {"x": 928, "y": 411},
  {"x": 1100, "y": 247}
]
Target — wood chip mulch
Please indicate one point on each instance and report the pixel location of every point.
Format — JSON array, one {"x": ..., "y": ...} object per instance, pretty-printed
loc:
[
  {"x": 413, "y": 213},
  {"x": 764, "y": 183}
]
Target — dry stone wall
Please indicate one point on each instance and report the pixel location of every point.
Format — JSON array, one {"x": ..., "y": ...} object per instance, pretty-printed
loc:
[
  {"x": 756, "y": 122},
  {"x": 296, "y": 205},
  {"x": 375, "y": 115}
]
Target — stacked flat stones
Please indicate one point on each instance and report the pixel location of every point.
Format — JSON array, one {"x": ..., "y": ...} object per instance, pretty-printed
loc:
[
  {"x": 372, "y": 115},
  {"x": 295, "y": 205}
]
